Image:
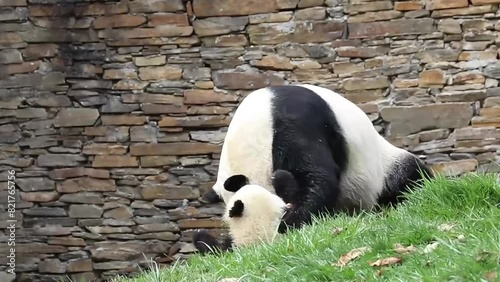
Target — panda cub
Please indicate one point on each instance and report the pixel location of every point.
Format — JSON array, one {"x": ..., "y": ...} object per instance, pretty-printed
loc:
[{"x": 253, "y": 214}]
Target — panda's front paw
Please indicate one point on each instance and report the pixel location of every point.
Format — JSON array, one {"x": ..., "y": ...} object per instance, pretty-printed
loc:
[
  {"x": 204, "y": 241},
  {"x": 288, "y": 219},
  {"x": 282, "y": 228}
]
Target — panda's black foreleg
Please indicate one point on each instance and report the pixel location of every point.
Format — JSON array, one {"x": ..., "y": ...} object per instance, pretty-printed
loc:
[
  {"x": 322, "y": 192},
  {"x": 294, "y": 218},
  {"x": 208, "y": 244},
  {"x": 286, "y": 187}
]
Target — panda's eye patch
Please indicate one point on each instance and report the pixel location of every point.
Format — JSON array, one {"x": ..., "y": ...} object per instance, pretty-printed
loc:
[{"x": 237, "y": 209}]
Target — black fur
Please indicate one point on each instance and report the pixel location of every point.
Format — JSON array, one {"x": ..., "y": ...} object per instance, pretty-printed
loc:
[
  {"x": 406, "y": 178},
  {"x": 211, "y": 197},
  {"x": 286, "y": 187},
  {"x": 206, "y": 243},
  {"x": 237, "y": 209},
  {"x": 235, "y": 182},
  {"x": 304, "y": 129}
]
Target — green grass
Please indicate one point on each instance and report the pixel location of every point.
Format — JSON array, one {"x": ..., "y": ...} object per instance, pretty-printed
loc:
[{"x": 470, "y": 251}]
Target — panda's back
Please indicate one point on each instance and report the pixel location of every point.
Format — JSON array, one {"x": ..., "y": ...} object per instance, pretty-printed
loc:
[
  {"x": 273, "y": 124},
  {"x": 332, "y": 126},
  {"x": 370, "y": 156}
]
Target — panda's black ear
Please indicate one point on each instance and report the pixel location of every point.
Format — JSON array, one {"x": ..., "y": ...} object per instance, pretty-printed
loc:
[
  {"x": 211, "y": 197},
  {"x": 235, "y": 182},
  {"x": 237, "y": 209}
]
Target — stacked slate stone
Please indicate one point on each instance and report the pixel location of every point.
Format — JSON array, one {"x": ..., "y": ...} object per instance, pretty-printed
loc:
[{"x": 113, "y": 113}]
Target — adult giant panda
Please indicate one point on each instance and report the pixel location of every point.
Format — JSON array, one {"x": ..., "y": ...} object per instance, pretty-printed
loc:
[{"x": 339, "y": 160}]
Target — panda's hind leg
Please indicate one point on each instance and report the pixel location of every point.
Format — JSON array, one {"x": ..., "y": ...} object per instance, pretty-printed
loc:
[
  {"x": 208, "y": 244},
  {"x": 405, "y": 176}
]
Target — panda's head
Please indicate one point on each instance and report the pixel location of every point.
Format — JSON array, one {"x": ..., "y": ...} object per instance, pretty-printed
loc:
[{"x": 253, "y": 213}]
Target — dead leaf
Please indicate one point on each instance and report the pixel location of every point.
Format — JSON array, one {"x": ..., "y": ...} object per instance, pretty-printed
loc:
[
  {"x": 387, "y": 261},
  {"x": 431, "y": 247},
  {"x": 337, "y": 230},
  {"x": 446, "y": 227},
  {"x": 353, "y": 254},
  {"x": 400, "y": 249},
  {"x": 379, "y": 272},
  {"x": 491, "y": 276}
]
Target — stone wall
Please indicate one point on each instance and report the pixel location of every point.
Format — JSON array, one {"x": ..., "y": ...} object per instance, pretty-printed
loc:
[{"x": 112, "y": 113}]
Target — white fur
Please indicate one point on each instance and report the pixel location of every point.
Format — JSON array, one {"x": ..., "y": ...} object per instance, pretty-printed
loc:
[
  {"x": 261, "y": 215},
  {"x": 247, "y": 147}
]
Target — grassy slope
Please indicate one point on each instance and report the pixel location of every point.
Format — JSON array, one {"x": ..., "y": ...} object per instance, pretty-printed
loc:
[{"x": 471, "y": 203}]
